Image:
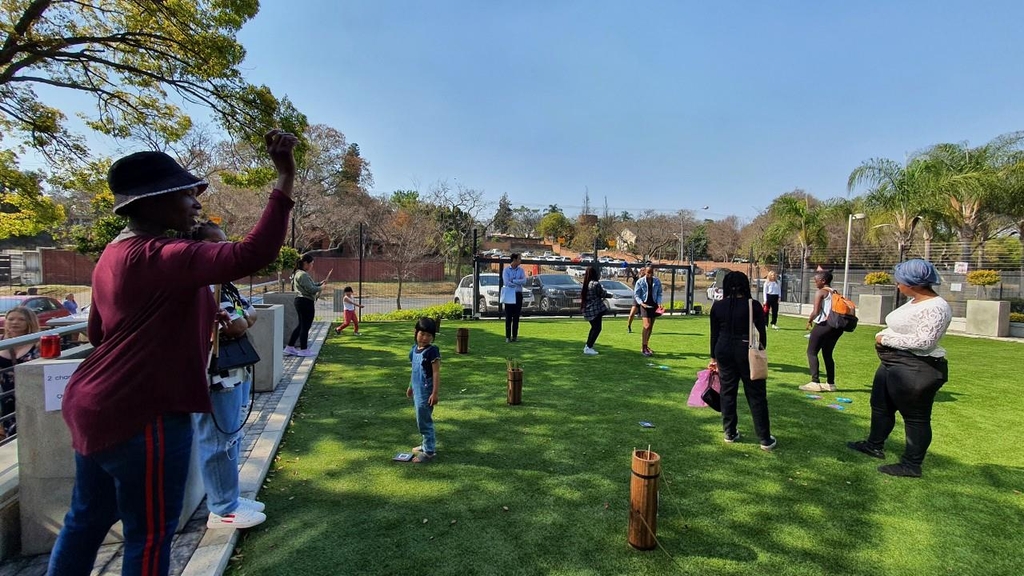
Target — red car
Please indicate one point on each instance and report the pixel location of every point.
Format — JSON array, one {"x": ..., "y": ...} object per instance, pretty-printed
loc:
[{"x": 44, "y": 307}]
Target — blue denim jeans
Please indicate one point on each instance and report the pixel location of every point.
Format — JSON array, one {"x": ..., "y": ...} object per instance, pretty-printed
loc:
[
  {"x": 140, "y": 482},
  {"x": 425, "y": 417},
  {"x": 218, "y": 452}
]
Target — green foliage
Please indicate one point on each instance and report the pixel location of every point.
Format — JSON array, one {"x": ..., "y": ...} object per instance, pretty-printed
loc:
[
  {"x": 554, "y": 225},
  {"x": 983, "y": 277},
  {"x": 1017, "y": 305},
  {"x": 24, "y": 211},
  {"x": 878, "y": 278},
  {"x": 129, "y": 56},
  {"x": 502, "y": 220},
  {"x": 286, "y": 260},
  {"x": 449, "y": 311},
  {"x": 1016, "y": 316}
]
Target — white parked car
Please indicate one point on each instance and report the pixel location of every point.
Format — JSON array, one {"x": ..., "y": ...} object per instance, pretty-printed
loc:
[{"x": 489, "y": 294}]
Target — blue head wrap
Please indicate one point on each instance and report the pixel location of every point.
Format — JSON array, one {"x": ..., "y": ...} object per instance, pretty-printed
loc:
[{"x": 917, "y": 272}]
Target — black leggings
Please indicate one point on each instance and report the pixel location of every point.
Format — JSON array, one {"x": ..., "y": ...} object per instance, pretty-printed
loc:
[
  {"x": 595, "y": 331},
  {"x": 733, "y": 368},
  {"x": 823, "y": 339},
  {"x": 305, "y": 309},
  {"x": 772, "y": 300},
  {"x": 512, "y": 314},
  {"x": 907, "y": 384}
]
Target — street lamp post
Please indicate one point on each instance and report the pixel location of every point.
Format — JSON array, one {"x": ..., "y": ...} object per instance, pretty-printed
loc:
[{"x": 849, "y": 229}]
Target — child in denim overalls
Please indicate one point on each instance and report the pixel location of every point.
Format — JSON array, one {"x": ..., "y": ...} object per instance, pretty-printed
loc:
[{"x": 423, "y": 386}]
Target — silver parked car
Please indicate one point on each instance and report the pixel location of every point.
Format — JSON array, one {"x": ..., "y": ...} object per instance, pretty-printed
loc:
[
  {"x": 489, "y": 293},
  {"x": 621, "y": 296}
]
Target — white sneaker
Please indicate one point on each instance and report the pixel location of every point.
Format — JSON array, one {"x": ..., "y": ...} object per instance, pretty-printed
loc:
[
  {"x": 589, "y": 351},
  {"x": 252, "y": 504},
  {"x": 242, "y": 517},
  {"x": 356, "y": 334},
  {"x": 291, "y": 351},
  {"x": 305, "y": 353},
  {"x": 774, "y": 327},
  {"x": 818, "y": 387}
]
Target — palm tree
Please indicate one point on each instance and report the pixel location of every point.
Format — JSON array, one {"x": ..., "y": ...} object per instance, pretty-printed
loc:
[
  {"x": 897, "y": 193},
  {"x": 968, "y": 181},
  {"x": 800, "y": 218}
]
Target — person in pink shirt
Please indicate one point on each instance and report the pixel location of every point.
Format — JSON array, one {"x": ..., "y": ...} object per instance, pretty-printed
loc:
[{"x": 128, "y": 404}]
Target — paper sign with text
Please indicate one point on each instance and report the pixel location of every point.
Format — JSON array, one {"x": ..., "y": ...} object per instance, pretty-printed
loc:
[{"x": 55, "y": 379}]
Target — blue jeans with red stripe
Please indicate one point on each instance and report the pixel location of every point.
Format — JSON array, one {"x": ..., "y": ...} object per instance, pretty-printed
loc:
[{"x": 140, "y": 482}]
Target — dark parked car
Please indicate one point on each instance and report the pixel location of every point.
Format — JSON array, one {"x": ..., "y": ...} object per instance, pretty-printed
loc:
[
  {"x": 710, "y": 274},
  {"x": 45, "y": 307},
  {"x": 555, "y": 292}
]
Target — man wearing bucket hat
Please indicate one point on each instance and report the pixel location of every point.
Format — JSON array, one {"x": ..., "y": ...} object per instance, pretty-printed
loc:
[
  {"x": 913, "y": 367},
  {"x": 128, "y": 404}
]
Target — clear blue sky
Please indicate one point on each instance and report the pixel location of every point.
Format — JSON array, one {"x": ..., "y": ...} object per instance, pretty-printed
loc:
[{"x": 662, "y": 105}]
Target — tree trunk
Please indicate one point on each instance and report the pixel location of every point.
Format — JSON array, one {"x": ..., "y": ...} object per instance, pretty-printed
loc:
[{"x": 398, "y": 298}]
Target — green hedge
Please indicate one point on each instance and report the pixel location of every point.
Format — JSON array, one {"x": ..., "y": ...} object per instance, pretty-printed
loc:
[
  {"x": 1016, "y": 317},
  {"x": 449, "y": 311}
]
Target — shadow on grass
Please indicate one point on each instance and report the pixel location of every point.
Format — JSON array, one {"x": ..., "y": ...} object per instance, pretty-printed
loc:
[{"x": 543, "y": 488}]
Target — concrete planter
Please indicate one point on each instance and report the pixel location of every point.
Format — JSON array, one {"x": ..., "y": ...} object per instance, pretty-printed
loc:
[
  {"x": 873, "y": 308},
  {"x": 988, "y": 317},
  {"x": 1017, "y": 329},
  {"x": 291, "y": 317},
  {"x": 46, "y": 464},
  {"x": 266, "y": 335}
]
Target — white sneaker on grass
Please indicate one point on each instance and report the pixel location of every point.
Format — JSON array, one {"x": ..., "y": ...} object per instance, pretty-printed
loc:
[
  {"x": 589, "y": 351},
  {"x": 241, "y": 517}
]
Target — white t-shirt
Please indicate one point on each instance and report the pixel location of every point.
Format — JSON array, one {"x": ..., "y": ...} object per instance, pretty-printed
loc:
[
  {"x": 917, "y": 327},
  {"x": 348, "y": 306}
]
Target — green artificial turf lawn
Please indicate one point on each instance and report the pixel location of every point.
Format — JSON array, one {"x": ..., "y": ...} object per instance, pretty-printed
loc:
[{"x": 543, "y": 487}]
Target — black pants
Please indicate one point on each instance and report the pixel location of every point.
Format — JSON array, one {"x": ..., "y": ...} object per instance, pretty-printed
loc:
[
  {"x": 823, "y": 339},
  {"x": 595, "y": 331},
  {"x": 305, "y": 309},
  {"x": 512, "y": 314},
  {"x": 907, "y": 384},
  {"x": 772, "y": 300},
  {"x": 733, "y": 366}
]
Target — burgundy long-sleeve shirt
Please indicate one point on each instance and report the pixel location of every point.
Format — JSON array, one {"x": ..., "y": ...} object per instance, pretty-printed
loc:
[{"x": 151, "y": 319}]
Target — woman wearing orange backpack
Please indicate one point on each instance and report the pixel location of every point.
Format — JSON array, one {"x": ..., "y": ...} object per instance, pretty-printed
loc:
[{"x": 823, "y": 338}]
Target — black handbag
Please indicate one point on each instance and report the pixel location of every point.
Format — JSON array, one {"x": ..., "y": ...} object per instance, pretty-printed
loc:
[
  {"x": 711, "y": 397},
  {"x": 232, "y": 354}
]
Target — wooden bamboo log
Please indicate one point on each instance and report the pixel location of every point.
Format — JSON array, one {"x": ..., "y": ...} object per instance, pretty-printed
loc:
[
  {"x": 462, "y": 341},
  {"x": 515, "y": 386},
  {"x": 643, "y": 499}
]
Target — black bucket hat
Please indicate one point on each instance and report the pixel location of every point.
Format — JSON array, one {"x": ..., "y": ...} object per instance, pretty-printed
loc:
[{"x": 145, "y": 174}]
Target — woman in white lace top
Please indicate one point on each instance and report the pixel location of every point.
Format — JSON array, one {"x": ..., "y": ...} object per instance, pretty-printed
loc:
[{"x": 913, "y": 368}]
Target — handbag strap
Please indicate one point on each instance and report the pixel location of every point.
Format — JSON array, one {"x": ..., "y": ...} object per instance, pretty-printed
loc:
[{"x": 753, "y": 337}]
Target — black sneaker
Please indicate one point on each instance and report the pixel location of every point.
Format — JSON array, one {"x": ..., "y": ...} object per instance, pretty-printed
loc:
[
  {"x": 865, "y": 448},
  {"x": 769, "y": 444},
  {"x": 901, "y": 469},
  {"x": 731, "y": 438}
]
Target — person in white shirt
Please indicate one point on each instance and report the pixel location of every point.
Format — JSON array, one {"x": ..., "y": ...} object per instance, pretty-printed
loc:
[
  {"x": 913, "y": 368},
  {"x": 772, "y": 292},
  {"x": 514, "y": 277}
]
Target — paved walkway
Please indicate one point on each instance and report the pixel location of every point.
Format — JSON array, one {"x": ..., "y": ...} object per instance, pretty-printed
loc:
[{"x": 197, "y": 551}]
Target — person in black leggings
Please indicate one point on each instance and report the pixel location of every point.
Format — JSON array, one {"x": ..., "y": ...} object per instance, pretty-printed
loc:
[
  {"x": 823, "y": 338},
  {"x": 772, "y": 292},
  {"x": 730, "y": 339},
  {"x": 911, "y": 371},
  {"x": 305, "y": 306}
]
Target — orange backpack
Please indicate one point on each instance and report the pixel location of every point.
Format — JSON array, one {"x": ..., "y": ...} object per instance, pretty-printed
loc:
[{"x": 843, "y": 314}]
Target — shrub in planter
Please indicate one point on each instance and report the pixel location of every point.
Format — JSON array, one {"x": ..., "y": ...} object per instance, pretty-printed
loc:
[
  {"x": 1016, "y": 317},
  {"x": 983, "y": 277},
  {"x": 877, "y": 279}
]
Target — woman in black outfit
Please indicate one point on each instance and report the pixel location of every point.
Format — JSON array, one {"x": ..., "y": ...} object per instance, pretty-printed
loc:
[{"x": 730, "y": 322}]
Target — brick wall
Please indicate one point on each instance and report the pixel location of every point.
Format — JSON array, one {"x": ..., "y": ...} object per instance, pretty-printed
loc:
[{"x": 65, "y": 267}]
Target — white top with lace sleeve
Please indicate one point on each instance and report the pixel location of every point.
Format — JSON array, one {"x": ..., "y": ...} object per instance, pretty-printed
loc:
[{"x": 918, "y": 326}]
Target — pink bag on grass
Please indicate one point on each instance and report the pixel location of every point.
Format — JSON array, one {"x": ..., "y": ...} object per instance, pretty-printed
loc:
[{"x": 705, "y": 378}]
